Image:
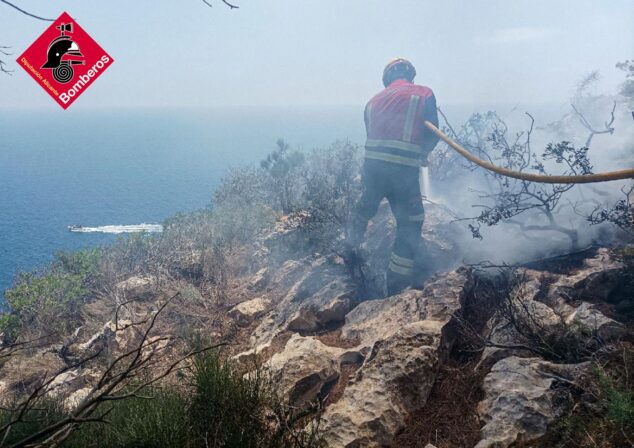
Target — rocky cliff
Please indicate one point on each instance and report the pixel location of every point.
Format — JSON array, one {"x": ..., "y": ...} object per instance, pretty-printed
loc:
[{"x": 386, "y": 371}]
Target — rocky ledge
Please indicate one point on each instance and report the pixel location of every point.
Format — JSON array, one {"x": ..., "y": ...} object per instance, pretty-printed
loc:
[{"x": 372, "y": 363}]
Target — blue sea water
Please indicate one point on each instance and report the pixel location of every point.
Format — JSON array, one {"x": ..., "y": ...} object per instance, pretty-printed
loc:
[{"x": 124, "y": 167}]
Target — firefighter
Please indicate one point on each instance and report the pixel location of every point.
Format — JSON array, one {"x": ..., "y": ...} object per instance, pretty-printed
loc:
[{"x": 397, "y": 144}]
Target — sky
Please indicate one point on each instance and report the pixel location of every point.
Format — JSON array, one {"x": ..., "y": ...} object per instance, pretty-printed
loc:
[{"x": 291, "y": 53}]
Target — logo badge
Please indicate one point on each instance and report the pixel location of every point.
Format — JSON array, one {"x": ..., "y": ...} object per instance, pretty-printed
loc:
[{"x": 65, "y": 60}]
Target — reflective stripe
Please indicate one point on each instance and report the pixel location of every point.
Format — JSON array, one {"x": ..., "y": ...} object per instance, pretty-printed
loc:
[
  {"x": 405, "y": 262},
  {"x": 368, "y": 115},
  {"x": 399, "y": 269},
  {"x": 390, "y": 158},
  {"x": 417, "y": 218},
  {"x": 405, "y": 146},
  {"x": 409, "y": 119}
]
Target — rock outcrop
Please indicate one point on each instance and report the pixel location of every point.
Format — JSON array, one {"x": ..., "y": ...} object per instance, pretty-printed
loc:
[
  {"x": 403, "y": 338},
  {"x": 372, "y": 361},
  {"x": 520, "y": 401},
  {"x": 520, "y": 398},
  {"x": 304, "y": 369},
  {"x": 393, "y": 345}
]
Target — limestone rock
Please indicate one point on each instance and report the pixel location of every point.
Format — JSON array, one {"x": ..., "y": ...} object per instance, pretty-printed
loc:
[
  {"x": 378, "y": 319},
  {"x": 111, "y": 337},
  {"x": 598, "y": 276},
  {"x": 20, "y": 373},
  {"x": 244, "y": 313},
  {"x": 395, "y": 380},
  {"x": 519, "y": 402},
  {"x": 259, "y": 281},
  {"x": 137, "y": 287},
  {"x": 250, "y": 358},
  {"x": 328, "y": 305},
  {"x": 589, "y": 317},
  {"x": 403, "y": 338},
  {"x": 303, "y": 368},
  {"x": 315, "y": 294}
]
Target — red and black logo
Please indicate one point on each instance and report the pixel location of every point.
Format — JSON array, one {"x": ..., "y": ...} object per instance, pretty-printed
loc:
[{"x": 65, "y": 60}]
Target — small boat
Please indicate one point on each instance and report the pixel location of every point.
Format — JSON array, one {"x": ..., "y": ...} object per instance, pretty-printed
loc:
[{"x": 135, "y": 228}]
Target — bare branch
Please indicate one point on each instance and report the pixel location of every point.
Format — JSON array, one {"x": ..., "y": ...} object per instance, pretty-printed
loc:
[
  {"x": 117, "y": 382},
  {"x": 586, "y": 124},
  {"x": 26, "y": 12},
  {"x": 230, "y": 5}
]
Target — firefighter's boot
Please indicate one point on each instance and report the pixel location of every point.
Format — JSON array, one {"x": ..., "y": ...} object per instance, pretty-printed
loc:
[{"x": 400, "y": 274}]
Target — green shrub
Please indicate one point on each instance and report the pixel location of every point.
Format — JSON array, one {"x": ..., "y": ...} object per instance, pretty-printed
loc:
[
  {"x": 213, "y": 407},
  {"x": 129, "y": 255},
  {"x": 9, "y": 325},
  {"x": 618, "y": 397},
  {"x": 284, "y": 171},
  {"x": 603, "y": 412},
  {"x": 324, "y": 182},
  {"x": 193, "y": 231},
  {"x": 331, "y": 189},
  {"x": 47, "y": 303},
  {"x": 159, "y": 420},
  {"x": 228, "y": 410},
  {"x": 85, "y": 263},
  {"x": 237, "y": 225},
  {"x": 45, "y": 413}
]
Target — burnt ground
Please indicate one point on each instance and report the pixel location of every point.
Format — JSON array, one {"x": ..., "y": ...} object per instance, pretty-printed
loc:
[
  {"x": 449, "y": 418},
  {"x": 333, "y": 392},
  {"x": 565, "y": 263}
]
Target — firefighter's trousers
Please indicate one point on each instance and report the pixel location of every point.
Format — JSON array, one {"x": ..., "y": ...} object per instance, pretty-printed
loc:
[{"x": 400, "y": 185}]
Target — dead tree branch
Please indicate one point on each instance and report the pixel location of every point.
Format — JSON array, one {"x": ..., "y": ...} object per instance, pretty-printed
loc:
[
  {"x": 125, "y": 377},
  {"x": 10, "y": 349},
  {"x": 230, "y": 5},
  {"x": 4, "y": 52},
  {"x": 26, "y": 12},
  {"x": 608, "y": 129}
]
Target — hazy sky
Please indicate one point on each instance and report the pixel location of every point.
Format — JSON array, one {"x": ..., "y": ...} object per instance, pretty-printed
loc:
[{"x": 328, "y": 52}]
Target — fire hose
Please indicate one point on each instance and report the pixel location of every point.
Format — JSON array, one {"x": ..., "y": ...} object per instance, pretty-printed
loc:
[{"x": 572, "y": 179}]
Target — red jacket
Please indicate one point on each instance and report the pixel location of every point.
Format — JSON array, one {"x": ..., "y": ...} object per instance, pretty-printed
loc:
[{"x": 394, "y": 124}]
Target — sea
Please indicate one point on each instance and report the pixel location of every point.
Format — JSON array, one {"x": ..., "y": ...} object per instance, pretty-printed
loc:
[{"x": 114, "y": 171}]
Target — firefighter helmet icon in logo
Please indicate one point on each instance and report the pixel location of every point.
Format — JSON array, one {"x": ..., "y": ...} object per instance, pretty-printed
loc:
[
  {"x": 63, "y": 52},
  {"x": 65, "y": 60}
]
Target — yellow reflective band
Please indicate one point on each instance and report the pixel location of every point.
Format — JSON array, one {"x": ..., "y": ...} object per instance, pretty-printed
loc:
[
  {"x": 405, "y": 146},
  {"x": 400, "y": 269},
  {"x": 417, "y": 218},
  {"x": 406, "y": 262},
  {"x": 391, "y": 158},
  {"x": 409, "y": 119}
]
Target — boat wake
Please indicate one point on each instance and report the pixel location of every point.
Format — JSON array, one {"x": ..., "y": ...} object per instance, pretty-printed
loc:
[{"x": 137, "y": 228}]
